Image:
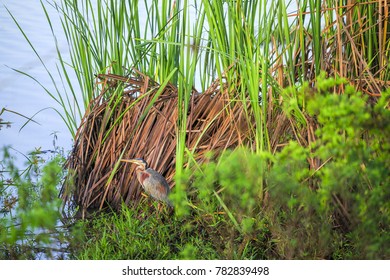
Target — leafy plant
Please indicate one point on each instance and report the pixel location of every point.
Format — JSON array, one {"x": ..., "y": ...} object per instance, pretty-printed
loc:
[
  {"x": 139, "y": 234},
  {"x": 30, "y": 208},
  {"x": 321, "y": 194}
]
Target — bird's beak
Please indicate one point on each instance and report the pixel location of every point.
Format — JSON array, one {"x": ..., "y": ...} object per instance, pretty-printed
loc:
[{"x": 129, "y": 160}]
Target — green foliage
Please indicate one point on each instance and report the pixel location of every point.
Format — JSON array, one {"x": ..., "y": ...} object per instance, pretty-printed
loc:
[
  {"x": 340, "y": 210},
  {"x": 29, "y": 207},
  {"x": 247, "y": 205},
  {"x": 217, "y": 224},
  {"x": 354, "y": 134},
  {"x": 140, "y": 234},
  {"x": 298, "y": 225},
  {"x": 244, "y": 204}
]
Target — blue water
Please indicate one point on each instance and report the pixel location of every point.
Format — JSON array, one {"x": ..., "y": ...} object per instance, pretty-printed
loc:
[{"x": 22, "y": 94}]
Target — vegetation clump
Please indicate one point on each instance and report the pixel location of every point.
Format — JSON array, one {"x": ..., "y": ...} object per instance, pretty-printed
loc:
[
  {"x": 245, "y": 205},
  {"x": 30, "y": 226},
  {"x": 281, "y": 153}
]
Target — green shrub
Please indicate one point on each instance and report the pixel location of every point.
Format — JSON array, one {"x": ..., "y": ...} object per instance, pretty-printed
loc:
[
  {"x": 30, "y": 207},
  {"x": 246, "y": 205}
]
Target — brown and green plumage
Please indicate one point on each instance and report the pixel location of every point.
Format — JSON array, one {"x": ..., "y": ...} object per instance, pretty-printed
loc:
[{"x": 152, "y": 182}]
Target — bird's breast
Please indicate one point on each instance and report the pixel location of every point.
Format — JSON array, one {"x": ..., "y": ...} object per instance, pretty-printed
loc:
[{"x": 142, "y": 176}]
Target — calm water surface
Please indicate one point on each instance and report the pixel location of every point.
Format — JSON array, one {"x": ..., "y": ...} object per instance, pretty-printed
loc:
[{"x": 20, "y": 93}]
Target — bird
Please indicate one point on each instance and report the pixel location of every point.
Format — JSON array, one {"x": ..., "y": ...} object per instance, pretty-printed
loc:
[{"x": 151, "y": 181}]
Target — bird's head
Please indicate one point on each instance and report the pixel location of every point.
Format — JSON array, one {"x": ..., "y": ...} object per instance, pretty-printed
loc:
[{"x": 138, "y": 161}]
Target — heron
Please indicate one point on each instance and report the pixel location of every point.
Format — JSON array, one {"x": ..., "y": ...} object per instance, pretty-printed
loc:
[{"x": 151, "y": 181}]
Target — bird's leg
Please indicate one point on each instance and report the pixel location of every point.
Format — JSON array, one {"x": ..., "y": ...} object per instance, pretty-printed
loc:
[
  {"x": 158, "y": 209},
  {"x": 148, "y": 199},
  {"x": 162, "y": 208},
  {"x": 144, "y": 195}
]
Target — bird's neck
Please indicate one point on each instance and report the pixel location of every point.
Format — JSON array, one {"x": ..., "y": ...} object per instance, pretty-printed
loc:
[{"x": 140, "y": 168}]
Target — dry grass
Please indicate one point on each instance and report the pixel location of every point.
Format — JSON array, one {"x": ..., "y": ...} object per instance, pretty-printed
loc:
[
  {"x": 141, "y": 120},
  {"x": 144, "y": 124}
]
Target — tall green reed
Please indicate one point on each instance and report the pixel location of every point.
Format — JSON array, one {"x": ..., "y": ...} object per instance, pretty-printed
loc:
[
  {"x": 67, "y": 102},
  {"x": 257, "y": 47},
  {"x": 272, "y": 44}
]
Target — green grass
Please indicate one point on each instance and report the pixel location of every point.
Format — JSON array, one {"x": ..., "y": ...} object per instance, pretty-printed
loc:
[
  {"x": 322, "y": 195},
  {"x": 338, "y": 211},
  {"x": 254, "y": 44},
  {"x": 141, "y": 234}
]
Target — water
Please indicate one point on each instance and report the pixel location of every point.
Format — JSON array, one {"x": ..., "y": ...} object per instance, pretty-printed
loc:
[{"x": 21, "y": 94}]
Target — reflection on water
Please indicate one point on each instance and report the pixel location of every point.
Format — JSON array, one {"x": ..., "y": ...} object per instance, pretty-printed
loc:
[
  {"x": 20, "y": 93},
  {"x": 47, "y": 135}
]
